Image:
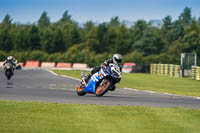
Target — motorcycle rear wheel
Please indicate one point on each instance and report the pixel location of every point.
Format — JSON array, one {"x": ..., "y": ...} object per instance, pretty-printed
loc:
[{"x": 102, "y": 89}]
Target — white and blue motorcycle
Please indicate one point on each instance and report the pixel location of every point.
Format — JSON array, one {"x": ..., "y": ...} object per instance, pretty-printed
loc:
[{"x": 100, "y": 82}]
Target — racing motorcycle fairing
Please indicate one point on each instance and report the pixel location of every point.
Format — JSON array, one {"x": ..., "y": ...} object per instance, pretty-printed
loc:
[{"x": 95, "y": 78}]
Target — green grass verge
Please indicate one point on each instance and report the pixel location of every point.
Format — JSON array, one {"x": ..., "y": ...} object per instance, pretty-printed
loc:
[
  {"x": 73, "y": 73},
  {"x": 35, "y": 117},
  {"x": 159, "y": 83}
]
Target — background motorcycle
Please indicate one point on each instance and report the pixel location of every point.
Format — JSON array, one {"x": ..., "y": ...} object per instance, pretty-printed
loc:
[
  {"x": 101, "y": 81},
  {"x": 9, "y": 70}
]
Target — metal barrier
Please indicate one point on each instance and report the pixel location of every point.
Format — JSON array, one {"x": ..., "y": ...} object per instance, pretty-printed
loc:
[
  {"x": 165, "y": 69},
  {"x": 195, "y": 73}
]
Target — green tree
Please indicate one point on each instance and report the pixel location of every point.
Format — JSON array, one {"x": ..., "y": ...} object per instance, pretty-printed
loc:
[
  {"x": 172, "y": 55},
  {"x": 111, "y": 39},
  {"x": 6, "y": 39},
  {"x": 7, "y": 20},
  {"x": 52, "y": 40},
  {"x": 71, "y": 34},
  {"x": 186, "y": 18},
  {"x": 34, "y": 38},
  {"x": 137, "y": 31},
  {"x": 22, "y": 40},
  {"x": 134, "y": 56},
  {"x": 101, "y": 32},
  {"x": 27, "y": 38},
  {"x": 114, "y": 22},
  {"x": 151, "y": 43},
  {"x": 44, "y": 20},
  {"x": 65, "y": 18},
  {"x": 92, "y": 42},
  {"x": 77, "y": 53},
  {"x": 198, "y": 22},
  {"x": 167, "y": 24},
  {"x": 166, "y": 29},
  {"x": 177, "y": 30},
  {"x": 88, "y": 26},
  {"x": 191, "y": 39},
  {"x": 123, "y": 45}
]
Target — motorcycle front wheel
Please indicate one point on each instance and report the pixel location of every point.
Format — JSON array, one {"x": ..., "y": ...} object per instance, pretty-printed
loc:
[
  {"x": 103, "y": 87},
  {"x": 80, "y": 90},
  {"x": 8, "y": 74}
]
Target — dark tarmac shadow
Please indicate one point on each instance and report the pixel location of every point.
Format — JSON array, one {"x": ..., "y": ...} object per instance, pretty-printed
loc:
[{"x": 9, "y": 84}]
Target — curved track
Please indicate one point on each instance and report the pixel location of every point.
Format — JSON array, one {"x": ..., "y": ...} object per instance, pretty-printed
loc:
[{"x": 41, "y": 85}]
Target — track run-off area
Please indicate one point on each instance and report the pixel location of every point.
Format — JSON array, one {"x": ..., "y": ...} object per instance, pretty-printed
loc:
[{"x": 43, "y": 85}]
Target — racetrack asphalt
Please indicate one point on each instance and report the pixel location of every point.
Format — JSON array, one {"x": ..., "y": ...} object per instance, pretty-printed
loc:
[{"x": 42, "y": 85}]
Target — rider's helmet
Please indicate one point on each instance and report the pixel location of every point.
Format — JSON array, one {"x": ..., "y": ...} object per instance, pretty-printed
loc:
[
  {"x": 117, "y": 59},
  {"x": 10, "y": 58}
]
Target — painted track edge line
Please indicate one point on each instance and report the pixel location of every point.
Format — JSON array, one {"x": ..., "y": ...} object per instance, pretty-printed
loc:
[
  {"x": 161, "y": 93},
  {"x": 52, "y": 72},
  {"x": 63, "y": 75},
  {"x": 70, "y": 77}
]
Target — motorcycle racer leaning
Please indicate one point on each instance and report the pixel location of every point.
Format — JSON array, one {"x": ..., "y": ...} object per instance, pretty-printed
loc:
[{"x": 116, "y": 59}]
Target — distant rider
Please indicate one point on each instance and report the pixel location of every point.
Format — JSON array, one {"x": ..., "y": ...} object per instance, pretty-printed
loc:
[
  {"x": 116, "y": 59},
  {"x": 11, "y": 59}
]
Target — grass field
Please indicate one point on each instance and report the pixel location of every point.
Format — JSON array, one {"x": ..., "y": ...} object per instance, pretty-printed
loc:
[
  {"x": 158, "y": 83},
  {"x": 35, "y": 117}
]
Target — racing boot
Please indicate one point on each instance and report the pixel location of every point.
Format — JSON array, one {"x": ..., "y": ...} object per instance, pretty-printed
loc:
[
  {"x": 112, "y": 88},
  {"x": 85, "y": 78}
]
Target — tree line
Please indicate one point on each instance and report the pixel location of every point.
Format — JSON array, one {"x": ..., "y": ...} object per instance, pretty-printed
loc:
[{"x": 67, "y": 41}]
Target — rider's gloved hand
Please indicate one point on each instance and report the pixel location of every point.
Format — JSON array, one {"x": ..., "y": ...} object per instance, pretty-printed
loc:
[{"x": 103, "y": 66}]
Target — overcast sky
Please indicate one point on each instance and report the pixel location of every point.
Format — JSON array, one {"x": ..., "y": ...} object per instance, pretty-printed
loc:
[{"x": 96, "y": 10}]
